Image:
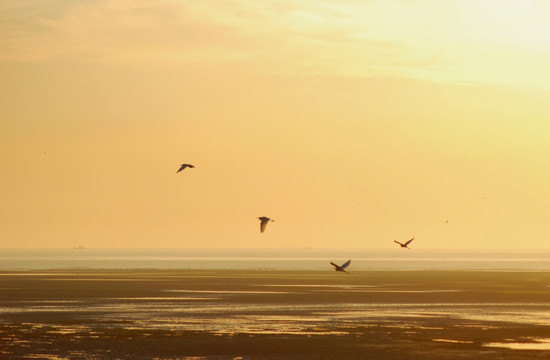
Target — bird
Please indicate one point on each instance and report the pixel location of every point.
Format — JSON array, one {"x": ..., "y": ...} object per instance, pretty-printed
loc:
[
  {"x": 183, "y": 166},
  {"x": 342, "y": 267},
  {"x": 263, "y": 222},
  {"x": 405, "y": 244}
]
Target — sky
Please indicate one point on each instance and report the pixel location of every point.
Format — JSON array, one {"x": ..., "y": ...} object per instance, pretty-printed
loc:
[{"x": 350, "y": 123}]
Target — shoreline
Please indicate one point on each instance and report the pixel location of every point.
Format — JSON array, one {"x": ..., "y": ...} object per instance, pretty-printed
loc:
[
  {"x": 328, "y": 270},
  {"x": 273, "y": 259}
]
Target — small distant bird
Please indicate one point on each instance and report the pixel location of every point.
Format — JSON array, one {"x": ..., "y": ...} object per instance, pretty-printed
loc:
[
  {"x": 447, "y": 221},
  {"x": 183, "y": 166},
  {"x": 263, "y": 222},
  {"x": 341, "y": 268},
  {"x": 405, "y": 244}
]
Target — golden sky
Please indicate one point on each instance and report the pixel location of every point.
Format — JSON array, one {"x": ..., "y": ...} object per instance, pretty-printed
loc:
[{"x": 351, "y": 123}]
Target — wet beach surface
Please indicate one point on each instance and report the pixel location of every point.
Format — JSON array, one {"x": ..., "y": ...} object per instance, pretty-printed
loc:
[{"x": 177, "y": 314}]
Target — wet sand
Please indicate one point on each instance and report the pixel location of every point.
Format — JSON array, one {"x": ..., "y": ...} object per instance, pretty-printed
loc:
[{"x": 167, "y": 314}]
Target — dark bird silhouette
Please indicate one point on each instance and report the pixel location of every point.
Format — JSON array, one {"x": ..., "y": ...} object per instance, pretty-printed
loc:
[
  {"x": 342, "y": 267},
  {"x": 183, "y": 166},
  {"x": 405, "y": 244},
  {"x": 263, "y": 222}
]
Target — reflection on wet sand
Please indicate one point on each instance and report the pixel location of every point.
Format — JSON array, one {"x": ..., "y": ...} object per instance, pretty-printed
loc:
[
  {"x": 440, "y": 314},
  {"x": 453, "y": 341},
  {"x": 530, "y": 344},
  {"x": 356, "y": 288}
]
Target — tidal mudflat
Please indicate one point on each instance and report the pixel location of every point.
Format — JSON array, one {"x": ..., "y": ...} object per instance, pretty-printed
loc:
[{"x": 172, "y": 314}]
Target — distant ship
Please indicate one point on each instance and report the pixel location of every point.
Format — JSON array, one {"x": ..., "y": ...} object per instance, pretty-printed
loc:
[{"x": 79, "y": 247}]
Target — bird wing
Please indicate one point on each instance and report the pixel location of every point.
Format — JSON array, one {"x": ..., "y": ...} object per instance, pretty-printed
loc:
[
  {"x": 408, "y": 242},
  {"x": 181, "y": 168},
  {"x": 346, "y": 264},
  {"x": 397, "y": 242},
  {"x": 333, "y": 264},
  {"x": 263, "y": 224}
]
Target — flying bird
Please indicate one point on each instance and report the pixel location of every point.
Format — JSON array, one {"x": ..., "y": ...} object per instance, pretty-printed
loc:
[
  {"x": 342, "y": 267},
  {"x": 183, "y": 166},
  {"x": 405, "y": 244},
  {"x": 263, "y": 222}
]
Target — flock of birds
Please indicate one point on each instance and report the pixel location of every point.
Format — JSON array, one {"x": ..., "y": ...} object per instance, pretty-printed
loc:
[
  {"x": 346, "y": 264},
  {"x": 264, "y": 220}
]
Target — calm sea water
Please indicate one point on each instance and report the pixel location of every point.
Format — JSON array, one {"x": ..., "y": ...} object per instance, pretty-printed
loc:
[{"x": 283, "y": 259}]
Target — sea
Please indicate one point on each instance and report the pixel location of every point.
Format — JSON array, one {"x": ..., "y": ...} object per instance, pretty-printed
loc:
[{"x": 275, "y": 259}]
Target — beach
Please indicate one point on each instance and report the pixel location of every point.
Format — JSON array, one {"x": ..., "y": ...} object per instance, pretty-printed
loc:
[{"x": 274, "y": 314}]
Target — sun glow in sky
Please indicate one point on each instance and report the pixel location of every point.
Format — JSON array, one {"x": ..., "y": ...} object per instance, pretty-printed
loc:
[{"x": 351, "y": 123}]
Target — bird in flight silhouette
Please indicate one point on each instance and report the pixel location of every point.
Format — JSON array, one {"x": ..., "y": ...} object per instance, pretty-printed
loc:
[
  {"x": 341, "y": 267},
  {"x": 183, "y": 166},
  {"x": 263, "y": 222},
  {"x": 405, "y": 244}
]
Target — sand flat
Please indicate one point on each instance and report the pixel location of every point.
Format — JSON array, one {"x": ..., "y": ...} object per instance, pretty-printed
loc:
[{"x": 144, "y": 314}]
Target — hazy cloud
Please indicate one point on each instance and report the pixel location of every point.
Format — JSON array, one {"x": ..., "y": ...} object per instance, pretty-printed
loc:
[{"x": 448, "y": 41}]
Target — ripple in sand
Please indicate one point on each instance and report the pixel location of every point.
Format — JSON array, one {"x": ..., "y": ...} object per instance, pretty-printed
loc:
[
  {"x": 503, "y": 315},
  {"x": 317, "y": 285},
  {"x": 181, "y": 298},
  {"x": 66, "y": 330},
  {"x": 238, "y": 292},
  {"x": 297, "y": 332},
  {"x": 414, "y": 291},
  {"x": 243, "y": 324}
]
